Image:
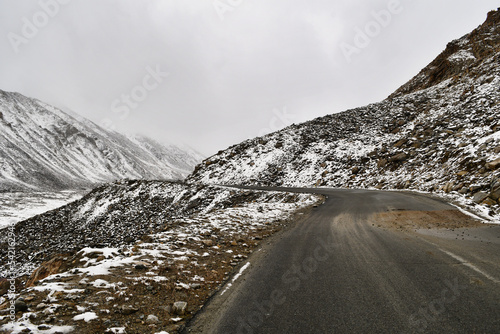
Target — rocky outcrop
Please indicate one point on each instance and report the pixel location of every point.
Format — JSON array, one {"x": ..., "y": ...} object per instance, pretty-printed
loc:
[
  {"x": 51, "y": 267},
  {"x": 458, "y": 57}
]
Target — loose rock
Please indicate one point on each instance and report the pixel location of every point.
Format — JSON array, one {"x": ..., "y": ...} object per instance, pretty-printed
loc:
[
  {"x": 479, "y": 197},
  {"x": 20, "y": 306},
  {"x": 152, "y": 319},
  {"x": 179, "y": 308},
  {"x": 127, "y": 310},
  {"x": 208, "y": 242},
  {"x": 493, "y": 164}
]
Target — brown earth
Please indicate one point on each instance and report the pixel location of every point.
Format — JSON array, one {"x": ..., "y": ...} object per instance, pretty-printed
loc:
[{"x": 413, "y": 220}]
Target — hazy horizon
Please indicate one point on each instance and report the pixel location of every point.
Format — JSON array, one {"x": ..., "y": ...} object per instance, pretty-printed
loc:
[{"x": 211, "y": 74}]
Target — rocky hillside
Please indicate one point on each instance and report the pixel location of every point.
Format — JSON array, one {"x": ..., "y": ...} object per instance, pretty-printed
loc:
[
  {"x": 134, "y": 256},
  {"x": 437, "y": 133},
  {"x": 121, "y": 213},
  {"x": 43, "y": 148}
]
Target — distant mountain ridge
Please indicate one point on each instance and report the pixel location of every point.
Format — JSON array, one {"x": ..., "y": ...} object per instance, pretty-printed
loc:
[
  {"x": 42, "y": 147},
  {"x": 438, "y": 132}
]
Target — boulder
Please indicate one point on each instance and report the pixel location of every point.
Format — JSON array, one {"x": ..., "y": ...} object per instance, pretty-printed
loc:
[
  {"x": 492, "y": 165},
  {"x": 463, "y": 191},
  {"x": 381, "y": 163},
  {"x": 475, "y": 188},
  {"x": 152, "y": 319},
  {"x": 479, "y": 197},
  {"x": 20, "y": 305},
  {"x": 179, "y": 308},
  {"x": 208, "y": 242},
  {"x": 51, "y": 267},
  {"x": 488, "y": 201},
  {"x": 399, "y": 157},
  {"x": 128, "y": 309},
  {"x": 495, "y": 194},
  {"x": 448, "y": 187}
]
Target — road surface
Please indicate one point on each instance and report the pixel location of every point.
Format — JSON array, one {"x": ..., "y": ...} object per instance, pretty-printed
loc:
[{"x": 355, "y": 265}]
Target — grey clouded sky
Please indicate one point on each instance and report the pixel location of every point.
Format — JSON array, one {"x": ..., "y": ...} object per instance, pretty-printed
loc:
[{"x": 213, "y": 73}]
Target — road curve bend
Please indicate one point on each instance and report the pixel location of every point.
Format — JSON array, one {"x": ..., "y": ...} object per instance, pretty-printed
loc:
[{"x": 367, "y": 262}]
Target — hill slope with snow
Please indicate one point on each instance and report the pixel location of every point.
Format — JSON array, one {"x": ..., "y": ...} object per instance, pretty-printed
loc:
[
  {"x": 41, "y": 147},
  {"x": 439, "y": 132}
]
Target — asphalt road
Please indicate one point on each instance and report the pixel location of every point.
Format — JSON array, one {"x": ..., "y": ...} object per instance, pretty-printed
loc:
[{"x": 338, "y": 271}]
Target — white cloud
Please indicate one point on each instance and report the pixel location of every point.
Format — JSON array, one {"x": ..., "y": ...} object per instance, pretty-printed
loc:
[{"x": 226, "y": 76}]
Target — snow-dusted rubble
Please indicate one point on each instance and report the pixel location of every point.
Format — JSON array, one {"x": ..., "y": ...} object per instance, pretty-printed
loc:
[
  {"x": 437, "y": 133},
  {"x": 137, "y": 247},
  {"x": 123, "y": 212}
]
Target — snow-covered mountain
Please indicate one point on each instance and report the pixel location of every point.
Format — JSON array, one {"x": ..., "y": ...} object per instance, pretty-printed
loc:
[
  {"x": 438, "y": 132},
  {"x": 42, "y": 147}
]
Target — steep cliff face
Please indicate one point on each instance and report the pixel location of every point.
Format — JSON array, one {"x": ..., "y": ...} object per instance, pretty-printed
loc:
[
  {"x": 459, "y": 57},
  {"x": 438, "y": 132},
  {"x": 42, "y": 147}
]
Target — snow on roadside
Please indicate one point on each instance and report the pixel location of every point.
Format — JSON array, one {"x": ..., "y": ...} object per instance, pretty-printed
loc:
[{"x": 468, "y": 207}]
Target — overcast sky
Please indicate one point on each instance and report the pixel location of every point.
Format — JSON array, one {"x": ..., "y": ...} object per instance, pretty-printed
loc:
[{"x": 213, "y": 73}]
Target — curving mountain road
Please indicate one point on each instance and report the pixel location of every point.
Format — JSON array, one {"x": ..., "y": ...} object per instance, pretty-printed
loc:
[{"x": 366, "y": 262}]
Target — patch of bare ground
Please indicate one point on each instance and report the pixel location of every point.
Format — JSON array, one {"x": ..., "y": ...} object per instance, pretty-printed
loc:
[{"x": 413, "y": 220}]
